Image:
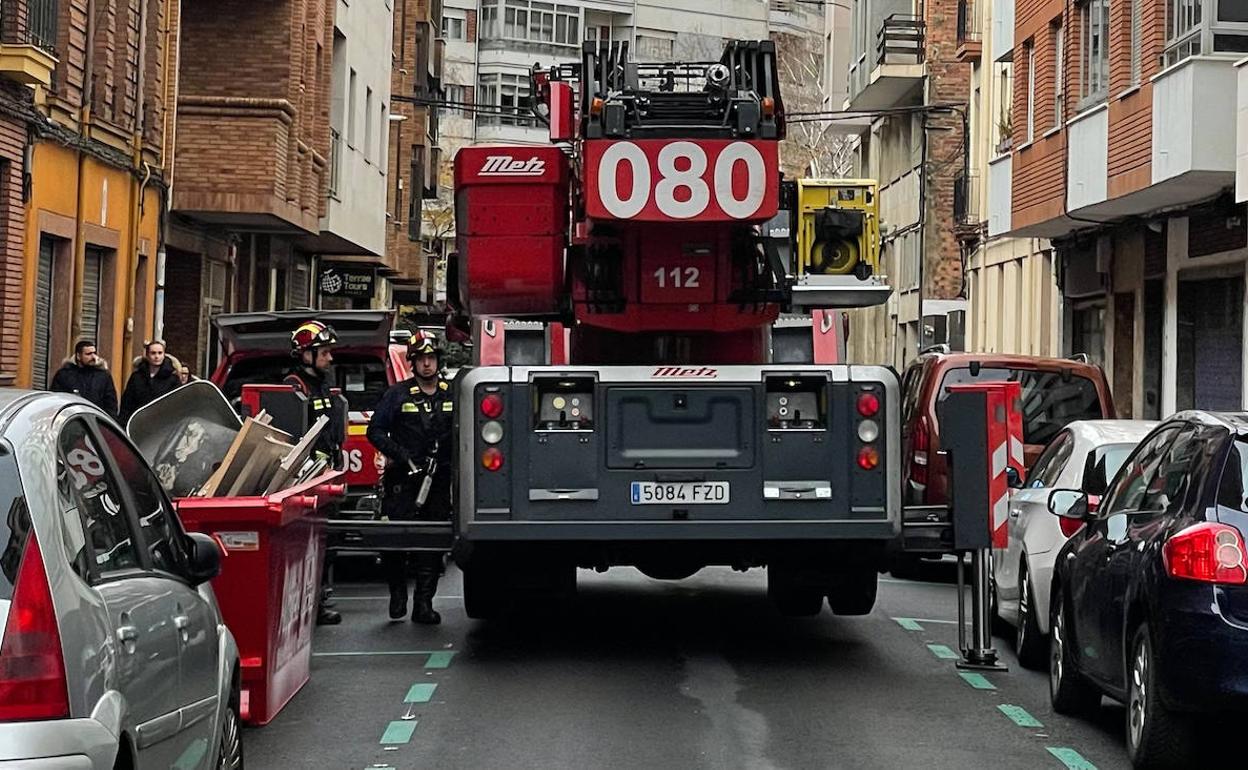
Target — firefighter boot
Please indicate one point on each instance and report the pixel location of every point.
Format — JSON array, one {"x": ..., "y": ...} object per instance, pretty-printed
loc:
[
  {"x": 327, "y": 617},
  {"x": 395, "y": 568},
  {"x": 426, "y": 587}
]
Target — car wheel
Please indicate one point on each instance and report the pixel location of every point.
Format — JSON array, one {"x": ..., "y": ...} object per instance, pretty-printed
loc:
[
  {"x": 1156, "y": 736},
  {"x": 483, "y": 593},
  {"x": 230, "y": 756},
  {"x": 1029, "y": 642},
  {"x": 791, "y": 598},
  {"x": 1069, "y": 692},
  {"x": 854, "y": 593},
  {"x": 999, "y": 625}
]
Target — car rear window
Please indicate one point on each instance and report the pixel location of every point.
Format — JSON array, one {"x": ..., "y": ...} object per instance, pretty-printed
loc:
[
  {"x": 1102, "y": 465},
  {"x": 1050, "y": 402},
  {"x": 14, "y": 522},
  {"x": 1233, "y": 490},
  {"x": 361, "y": 377}
]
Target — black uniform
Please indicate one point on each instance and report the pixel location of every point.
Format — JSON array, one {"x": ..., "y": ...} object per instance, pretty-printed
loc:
[
  {"x": 408, "y": 427},
  {"x": 312, "y": 383},
  {"x": 91, "y": 382}
]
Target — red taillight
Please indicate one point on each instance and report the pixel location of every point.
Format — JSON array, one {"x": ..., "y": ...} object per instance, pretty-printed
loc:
[
  {"x": 922, "y": 441},
  {"x": 32, "y": 669},
  {"x": 492, "y": 459},
  {"x": 492, "y": 406},
  {"x": 868, "y": 405},
  {"x": 1069, "y": 526},
  {"x": 868, "y": 458},
  {"x": 1209, "y": 552}
]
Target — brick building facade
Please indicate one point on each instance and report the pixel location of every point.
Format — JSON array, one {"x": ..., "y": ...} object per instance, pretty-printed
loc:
[{"x": 1122, "y": 156}]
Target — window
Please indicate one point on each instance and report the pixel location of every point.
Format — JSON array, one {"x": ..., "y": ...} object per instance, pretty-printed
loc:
[
  {"x": 509, "y": 94},
  {"x": 1094, "y": 58},
  {"x": 1050, "y": 402},
  {"x": 454, "y": 27},
  {"x": 1031, "y": 91},
  {"x": 1101, "y": 465},
  {"x": 351, "y": 109},
  {"x": 15, "y": 525},
  {"x": 1171, "y": 483},
  {"x": 1056, "y": 33},
  {"x": 161, "y": 532},
  {"x": 457, "y": 100},
  {"x": 1136, "y": 31},
  {"x": 368, "y": 124},
  {"x": 531, "y": 20},
  {"x": 1182, "y": 29},
  {"x": 98, "y": 500},
  {"x": 1132, "y": 483},
  {"x": 1051, "y": 463}
]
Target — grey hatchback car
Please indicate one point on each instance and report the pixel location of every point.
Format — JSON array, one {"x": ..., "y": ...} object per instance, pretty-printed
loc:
[{"x": 113, "y": 652}]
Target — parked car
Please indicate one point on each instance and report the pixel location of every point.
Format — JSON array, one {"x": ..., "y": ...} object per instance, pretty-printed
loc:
[
  {"x": 1085, "y": 456},
  {"x": 1150, "y": 595},
  {"x": 369, "y": 358},
  {"x": 113, "y": 652},
  {"x": 1055, "y": 393}
]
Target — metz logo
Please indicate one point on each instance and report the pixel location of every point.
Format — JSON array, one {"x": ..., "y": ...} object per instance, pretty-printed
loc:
[
  {"x": 506, "y": 165},
  {"x": 679, "y": 371}
]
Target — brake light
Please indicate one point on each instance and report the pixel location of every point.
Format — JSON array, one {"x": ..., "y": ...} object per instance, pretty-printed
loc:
[
  {"x": 921, "y": 444},
  {"x": 868, "y": 405},
  {"x": 32, "y": 668},
  {"x": 492, "y": 459},
  {"x": 492, "y": 406},
  {"x": 1069, "y": 526},
  {"x": 1208, "y": 552}
]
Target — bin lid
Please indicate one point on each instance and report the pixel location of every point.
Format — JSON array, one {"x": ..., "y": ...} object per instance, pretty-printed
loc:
[
  {"x": 270, "y": 331},
  {"x": 185, "y": 434}
]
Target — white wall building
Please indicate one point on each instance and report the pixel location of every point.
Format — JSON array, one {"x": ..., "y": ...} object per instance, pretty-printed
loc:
[{"x": 355, "y": 220}]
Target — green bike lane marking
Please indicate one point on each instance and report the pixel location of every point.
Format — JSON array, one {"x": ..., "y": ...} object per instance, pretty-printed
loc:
[
  {"x": 440, "y": 659},
  {"x": 398, "y": 732},
  {"x": 420, "y": 693},
  {"x": 978, "y": 681},
  {"x": 1072, "y": 759},
  {"x": 944, "y": 652},
  {"x": 909, "y": 624},
  {"x": 1019, "y": 716}
]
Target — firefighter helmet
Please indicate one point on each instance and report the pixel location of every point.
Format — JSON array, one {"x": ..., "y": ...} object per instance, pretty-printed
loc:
[
  {"x": 310, "y": 336},
  {"x": 423, "y": 343}
]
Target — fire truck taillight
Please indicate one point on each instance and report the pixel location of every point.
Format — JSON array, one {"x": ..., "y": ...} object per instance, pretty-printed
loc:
[
  {"x": 868, "y": 458},
  {"x": 868, "y": 431},
  {"x": 492, "y": 459},
  {"x": 492, "y": 406},
  {"x": 868, "y": 405}
]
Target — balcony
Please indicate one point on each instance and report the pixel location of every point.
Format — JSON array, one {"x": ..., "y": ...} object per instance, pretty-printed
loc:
[
  {"x": 1241, "y": 145},
  {"x": 967, "y": 222},
  {"x": 28, "y": 41},
  {"x": 970, "y": 36},
  {"x": 896, "y": 68},
  {"x": 1087, "y": 165},
  {"x": 1193, "y": 152}
]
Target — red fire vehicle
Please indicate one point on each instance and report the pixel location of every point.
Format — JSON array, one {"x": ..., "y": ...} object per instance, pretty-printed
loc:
[{"x": 665, "y": 415}]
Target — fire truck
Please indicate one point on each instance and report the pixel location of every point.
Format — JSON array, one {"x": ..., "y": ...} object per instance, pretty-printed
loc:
[{"x": 658, "y": 318}]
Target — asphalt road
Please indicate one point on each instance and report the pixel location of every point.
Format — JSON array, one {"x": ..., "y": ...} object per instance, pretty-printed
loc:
[{"x": 700, "y": 673}]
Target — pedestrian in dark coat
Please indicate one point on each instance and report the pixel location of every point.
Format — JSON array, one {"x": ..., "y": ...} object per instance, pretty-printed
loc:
[
  {"x": 155, "y": 374},
  {"x": 87, "y": 375}
]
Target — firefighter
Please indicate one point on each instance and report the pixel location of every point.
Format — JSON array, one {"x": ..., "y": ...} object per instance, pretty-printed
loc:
[
  {"x": 412, "y": 428},
  {"x": 312, "y": 345}
]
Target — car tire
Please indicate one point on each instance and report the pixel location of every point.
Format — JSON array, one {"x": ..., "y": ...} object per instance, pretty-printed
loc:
[
  {"x": 1156, "y": 736},
  {"x": 1029, "y": 642},
  {"x": 230, "y": 755},
  {"x": 854, "y": 593},
  {"x": 1069, "y": 692},
  {"x": 905, "y": 566}
]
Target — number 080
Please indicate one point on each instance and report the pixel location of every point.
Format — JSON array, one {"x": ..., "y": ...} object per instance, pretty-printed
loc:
[{"x": 695, "y": 196}]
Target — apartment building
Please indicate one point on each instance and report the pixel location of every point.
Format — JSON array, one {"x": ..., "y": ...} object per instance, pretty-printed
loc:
[
  {"x": 96, "y": 167},
  {"x": 1123, "y": 155},
  {"x": 1013, "y": 302},
  {"x": 905, "y": 76},
  {"x": 28, "y": 58},
  {"x": 417, "y": 86}
]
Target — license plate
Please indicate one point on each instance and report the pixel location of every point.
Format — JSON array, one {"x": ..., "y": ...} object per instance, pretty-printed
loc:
[{"x": 682, "y": 493}]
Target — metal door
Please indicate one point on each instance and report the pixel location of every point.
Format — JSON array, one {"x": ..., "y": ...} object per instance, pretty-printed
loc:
[
  {"x": 91, "y": 296},
  {"x": 42, "y": 363}
]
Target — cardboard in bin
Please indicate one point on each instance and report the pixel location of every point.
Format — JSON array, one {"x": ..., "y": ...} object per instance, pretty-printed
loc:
[
  {"x": 270, "y": 582},
  {"x": 184, "y": 435}
]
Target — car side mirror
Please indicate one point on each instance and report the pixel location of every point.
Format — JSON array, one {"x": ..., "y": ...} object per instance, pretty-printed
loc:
[
  {"x": 205, "y": 558},
  {"x": 1013, "y": 478},
  {"x": 1069, "y": 504}
]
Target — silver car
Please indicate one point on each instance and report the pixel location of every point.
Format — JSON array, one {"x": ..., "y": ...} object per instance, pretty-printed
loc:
[
  {"x": 113, "y": 652},
  {"x": 1085, "y": 456}
]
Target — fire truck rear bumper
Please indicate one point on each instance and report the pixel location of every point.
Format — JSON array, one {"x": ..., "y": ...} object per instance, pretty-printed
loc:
[{"x": 738, "y": 530}]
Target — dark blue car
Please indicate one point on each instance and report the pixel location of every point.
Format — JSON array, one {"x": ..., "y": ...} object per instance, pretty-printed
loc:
[{"x": 1150, "y": 597}]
